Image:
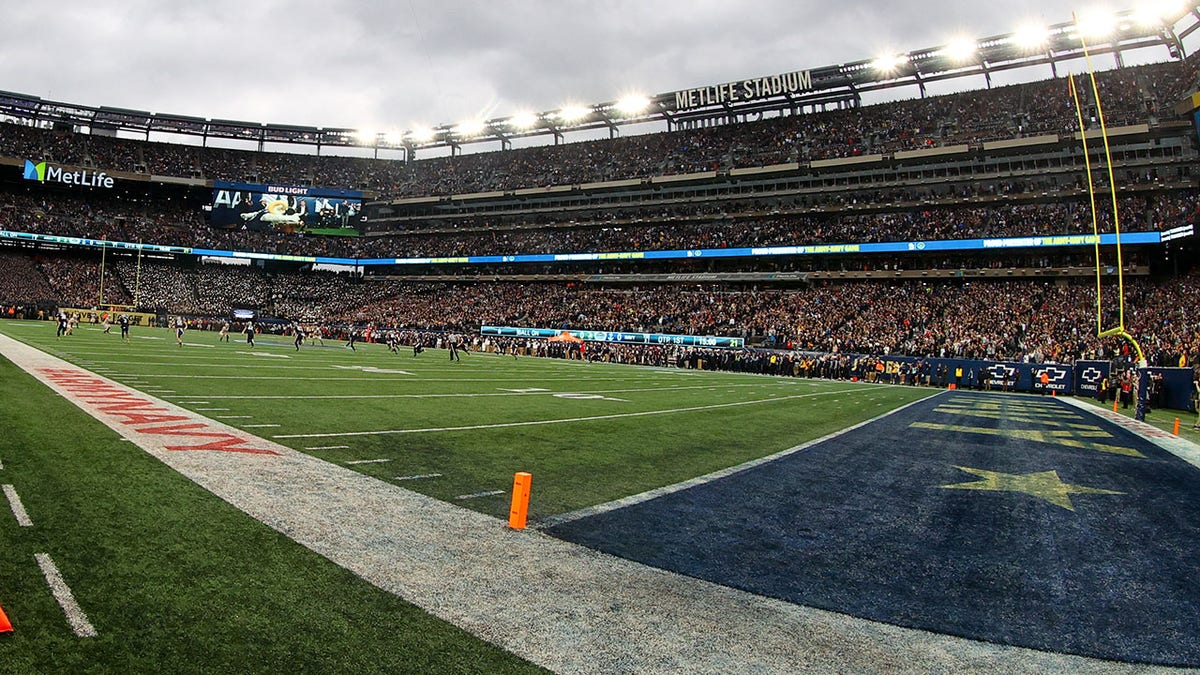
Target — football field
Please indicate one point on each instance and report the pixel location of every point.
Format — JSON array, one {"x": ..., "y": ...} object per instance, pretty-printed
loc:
[
  {"x": 458, "y": 431},
  {"x": 338, "y": 509}
]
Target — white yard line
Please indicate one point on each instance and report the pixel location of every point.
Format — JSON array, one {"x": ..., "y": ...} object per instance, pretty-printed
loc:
[
  {"x": 367, "y": 461},
  {"x": 420, "y": 476},
  {"x": 259, "y": 426},
  {"x": 475, "y": 395},
  {"x": 66, "y": 599},
  {"x": 476, "y": 495},
  {"x": 18, "y": 509},
  {"x": 329, "y": 447},
  {"x": 506, "y": 425},
  {"x": 234, "y": 417}
]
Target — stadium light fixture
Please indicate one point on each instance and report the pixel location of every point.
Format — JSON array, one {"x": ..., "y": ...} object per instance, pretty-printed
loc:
[
  {"x": 573, "y": 113},
  {"x": 422, "y": 134},
  {"x": 1031, "y": 36},
  {"x": 960, "y": 50},
  {"x": 523, "y": 120},
  {"x": 1094, "y": 24},
  {"x": 1154, "y": 12},
  {"x": 633, "y": 104},
  {"x": 393, "y": 137},
  {"x": 470, "y": 127},
  {"x": 889, "y": 63},
  {"x": 366, "y": 136}
]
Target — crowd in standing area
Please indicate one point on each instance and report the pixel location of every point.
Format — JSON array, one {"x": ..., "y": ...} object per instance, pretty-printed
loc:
[{"x": 1129, "y": 96}]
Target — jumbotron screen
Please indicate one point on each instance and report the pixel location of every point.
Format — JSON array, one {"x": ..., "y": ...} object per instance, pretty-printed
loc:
[{"x": 283, "y": 207}]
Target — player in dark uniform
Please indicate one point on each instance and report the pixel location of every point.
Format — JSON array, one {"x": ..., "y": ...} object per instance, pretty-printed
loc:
[
  {"x": 62, "y": 326},
  {"x": 353, "y": 339},
  {"x": 179, "y": 328},
  {"x": 249, "y": 331},
  {"x": 123, "y": 321},
  {"x": 299, "y": 335},
  {"x": 453, "y": 343}
]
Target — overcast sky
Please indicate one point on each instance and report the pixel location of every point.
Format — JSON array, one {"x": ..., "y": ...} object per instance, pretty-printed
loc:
[{"x": 406, "y": 63}]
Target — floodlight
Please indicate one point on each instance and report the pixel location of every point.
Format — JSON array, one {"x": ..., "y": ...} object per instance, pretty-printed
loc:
[
  {"x": 393, "y": 137},
  {"x": 1096, "y": 23},
  {"x": 960, "y": 49},
  {"x": 1153, "y": 12},
  {"x": 888, "y": 63},
  {"x": 1031, "y": 36},
  {"x": 365, "y": 136},
  {"x": 422, "y": 134},
  {"x": 633, "y": 104},
  {"x": 470, "y": 127},
  {"x": 572, "y": 113},
  {"x": 523, "y": 120}
]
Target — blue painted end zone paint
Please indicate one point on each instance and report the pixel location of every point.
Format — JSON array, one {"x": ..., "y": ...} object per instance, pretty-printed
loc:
[{"x": 864, "y": 525}]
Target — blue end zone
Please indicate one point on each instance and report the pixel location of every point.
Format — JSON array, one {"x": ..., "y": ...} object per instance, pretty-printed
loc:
[{"x": 1013, "y": 519}]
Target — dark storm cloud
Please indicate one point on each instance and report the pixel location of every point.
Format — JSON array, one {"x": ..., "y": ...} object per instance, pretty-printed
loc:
[{"x": 395, "y": 64}]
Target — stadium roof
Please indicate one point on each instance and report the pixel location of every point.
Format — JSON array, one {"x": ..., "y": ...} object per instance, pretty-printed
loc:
[{"x": 794, "y": 91}]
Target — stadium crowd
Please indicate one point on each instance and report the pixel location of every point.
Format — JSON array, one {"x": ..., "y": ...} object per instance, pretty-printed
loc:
[
  {"x": 1129, "y": 96},
  {"x": 997, "y": 319}
]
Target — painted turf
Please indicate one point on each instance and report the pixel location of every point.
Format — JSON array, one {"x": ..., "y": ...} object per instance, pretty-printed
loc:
[
  {"x": 963, "y": 514},
  {"x": 554, "y": 603}
]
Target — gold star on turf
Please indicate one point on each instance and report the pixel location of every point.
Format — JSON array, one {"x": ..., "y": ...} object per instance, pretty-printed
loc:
[{"x": 1041, "y": 484}]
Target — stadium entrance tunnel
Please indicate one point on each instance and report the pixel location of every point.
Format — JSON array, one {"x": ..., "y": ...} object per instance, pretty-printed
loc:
[{"x": 1012, "y": 519}]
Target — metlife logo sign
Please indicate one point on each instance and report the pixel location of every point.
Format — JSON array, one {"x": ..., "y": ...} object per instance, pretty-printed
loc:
[{"x": 42, "y": 172}]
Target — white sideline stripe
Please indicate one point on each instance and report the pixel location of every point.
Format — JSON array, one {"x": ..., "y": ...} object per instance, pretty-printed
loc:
[
  {"x": 18, "y": 509},
  {"x": 329, "y": 447},
  {"x": 371, "y": 379},
  {"x": 369, "y": 461},
  {"x": 62, "y": 593},
  {"x": 418, "y": 476},
  {"x": 716, "y": 475},
  {"x": 506, "y": 425},
  {"x": 475, "y": 495},
  {"x": 258, "y": 426},
  {"x": 542, "y": 392}
]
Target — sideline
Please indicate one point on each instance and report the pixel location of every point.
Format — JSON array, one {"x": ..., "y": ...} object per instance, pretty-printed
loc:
[{"x": 559, "y": 605}]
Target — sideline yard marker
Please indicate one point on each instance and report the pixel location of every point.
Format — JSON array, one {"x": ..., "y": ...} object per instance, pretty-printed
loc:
[
  {"x": 66, "y": 599},
  {"x": 5, "y": 624},
  {"x": 1176, "y": 426},
  {"x": 18, "y": 509},
  {"x": 519, "y": 509}
]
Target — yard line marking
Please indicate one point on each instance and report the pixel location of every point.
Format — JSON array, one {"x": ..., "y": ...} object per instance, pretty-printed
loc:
[
  {"x": 329, "y": 447},
  {"x": 258, "y": 426},
  {"x": 18, "y": 509},
  {"x": 212, "y": 409},
  {"x": 368, "y": 461},
  {"x": 708, "y": 478},
  {"x": 235, "y": 417},
  {"x": 489, "y": 493},
  {"x": 1, "y": 465},
  {"x": 266, "y": 355},
  {"x": 614, "y": 416},
  {"x": 418, "y": 476},
  {"x": 193, "y": 403},
  {"x": 507, "y": 392},
  {"x": 62, "y": 593}
]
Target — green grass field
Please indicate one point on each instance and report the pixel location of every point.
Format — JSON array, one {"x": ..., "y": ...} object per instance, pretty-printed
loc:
[{"x": 176, "y": 580}]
